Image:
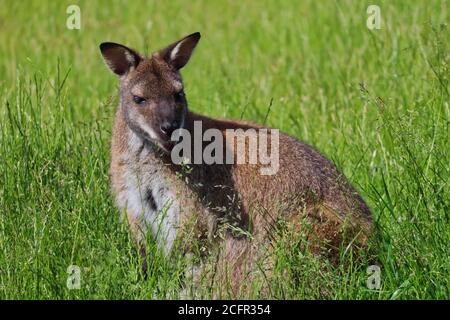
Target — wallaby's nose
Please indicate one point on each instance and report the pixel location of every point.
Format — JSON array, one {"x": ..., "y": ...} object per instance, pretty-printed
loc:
[{"x": 168, "y": 127}]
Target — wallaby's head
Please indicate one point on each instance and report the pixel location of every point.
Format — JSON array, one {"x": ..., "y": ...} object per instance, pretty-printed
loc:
[{"x": 151, "y": 90}]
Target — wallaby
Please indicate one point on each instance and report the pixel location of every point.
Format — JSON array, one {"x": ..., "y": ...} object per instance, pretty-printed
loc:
[{"x": 186, "y": 205}]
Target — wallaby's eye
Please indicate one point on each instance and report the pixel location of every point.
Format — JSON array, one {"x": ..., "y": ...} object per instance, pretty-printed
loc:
[
  {"x": 138, "y": 100},
  {"x": 179, "y": 96}
]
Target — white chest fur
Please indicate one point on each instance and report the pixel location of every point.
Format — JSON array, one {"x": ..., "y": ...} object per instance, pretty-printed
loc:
[{"x": 146, "y": 196}]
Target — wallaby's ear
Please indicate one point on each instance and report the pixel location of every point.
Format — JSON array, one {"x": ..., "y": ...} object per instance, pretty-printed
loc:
[
  {"x": 178, "y": 53},
  {"x": 119, "y": 58}
]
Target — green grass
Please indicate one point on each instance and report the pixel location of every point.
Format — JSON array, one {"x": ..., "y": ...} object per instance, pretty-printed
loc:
[{"x": 375, "y": 102}]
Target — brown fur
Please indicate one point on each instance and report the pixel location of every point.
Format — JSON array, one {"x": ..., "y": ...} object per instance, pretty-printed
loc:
[{"x": 306, "y": 185}]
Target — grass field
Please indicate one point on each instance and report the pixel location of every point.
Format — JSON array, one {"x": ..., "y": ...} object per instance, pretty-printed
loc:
[{"x": 374, "y": 101}]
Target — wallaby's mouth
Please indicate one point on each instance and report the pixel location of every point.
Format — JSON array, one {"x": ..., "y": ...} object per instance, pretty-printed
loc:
[
  {"x": 152, "y": 138},
  {"x": 167, "y": 143},
  {"x": 165, "y": 146}
]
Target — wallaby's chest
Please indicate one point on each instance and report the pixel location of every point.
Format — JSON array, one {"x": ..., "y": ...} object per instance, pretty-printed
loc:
[{"x": 146, "y": 193}]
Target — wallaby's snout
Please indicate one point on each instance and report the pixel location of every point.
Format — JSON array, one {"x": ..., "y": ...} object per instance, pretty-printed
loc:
[{"x": 151, "y": 88}]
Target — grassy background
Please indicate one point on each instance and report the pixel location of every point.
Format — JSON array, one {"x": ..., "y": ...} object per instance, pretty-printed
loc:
[{"x": 375, "y": 102}]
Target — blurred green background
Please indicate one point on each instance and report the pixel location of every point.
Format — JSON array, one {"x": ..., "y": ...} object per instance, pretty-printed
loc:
[{"x": 375, "y": 101}]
